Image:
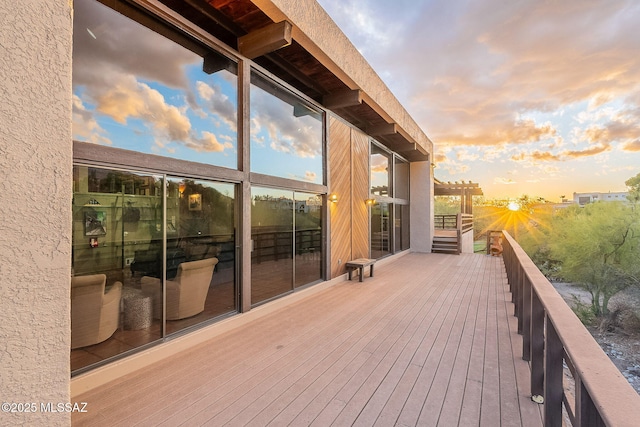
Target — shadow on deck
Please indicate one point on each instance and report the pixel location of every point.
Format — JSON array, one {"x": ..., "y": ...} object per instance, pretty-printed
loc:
[{"x": 430, "y": 340}]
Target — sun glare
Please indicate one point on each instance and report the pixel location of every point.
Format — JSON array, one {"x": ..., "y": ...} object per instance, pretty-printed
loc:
[{"x": 514, "y": 206}]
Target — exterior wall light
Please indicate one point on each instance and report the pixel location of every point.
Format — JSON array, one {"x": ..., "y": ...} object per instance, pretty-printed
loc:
[
  {"x": 370, "y": 202},
  {"x": 333, "y": 198}
]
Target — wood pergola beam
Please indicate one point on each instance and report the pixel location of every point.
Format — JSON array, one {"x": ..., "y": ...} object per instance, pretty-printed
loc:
[
  {"x": 454, "y": 192},
  {"x": 265, "y": 40}
]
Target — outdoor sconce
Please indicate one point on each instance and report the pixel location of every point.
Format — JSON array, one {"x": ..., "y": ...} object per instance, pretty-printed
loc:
[
  {"x": 369, "y": 202},
  {"x": 333, "y": 198},
  {"x": 181, "y": 188}
]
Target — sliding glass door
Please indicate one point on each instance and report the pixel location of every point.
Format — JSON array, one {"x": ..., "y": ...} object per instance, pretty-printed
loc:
[{"x": 286, "y": 234}]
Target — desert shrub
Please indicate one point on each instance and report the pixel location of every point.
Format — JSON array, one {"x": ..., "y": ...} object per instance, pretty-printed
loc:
[
  {"x": 583, "y": 311},
  {"x": 623, "y": 316}
]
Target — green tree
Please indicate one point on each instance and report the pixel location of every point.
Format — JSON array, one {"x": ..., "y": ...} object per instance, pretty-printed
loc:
[
  {"x": 598, "y": 248},
  {"x": 634, "y": 188},
  {"x": 446, "y": 205}
]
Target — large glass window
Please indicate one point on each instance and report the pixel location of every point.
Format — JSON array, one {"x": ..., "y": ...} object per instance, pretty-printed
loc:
[
  {"x": 200, "y": 243},
  {"x": 152, "y": 255},
  {"x": 389, "y": 215},
  {"x": 286, "y": 133},
  {"x": 136, "y": 89},
  {"x": 281, "y": 221},
  {"x": 272, "y": 243},
  {"x": 116, "y": 215},
  {"x": 380, "y": 174},
  {"x": 308, "y": 238},
  {"x": 401, "y": 173},
  {"x": 401, "y": 228}
]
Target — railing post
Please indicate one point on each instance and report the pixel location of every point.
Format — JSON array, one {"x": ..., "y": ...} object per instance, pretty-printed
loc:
[
  {"x": 537, "y": 348},
  {"x": 586, "y": 412},
  {"x": 514, "y": 291},
  {"x": 526, "y": 319},
  {"x": 520, "y": 298},
  {"x": 553, "y": 369}
]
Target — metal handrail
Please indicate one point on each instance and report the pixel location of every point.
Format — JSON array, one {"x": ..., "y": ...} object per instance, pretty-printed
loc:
[{"x": 551, "y": 335}]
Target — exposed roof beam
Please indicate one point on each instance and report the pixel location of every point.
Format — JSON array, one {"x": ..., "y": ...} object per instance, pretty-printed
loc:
[
  {"x": 347, "y": 98},
  {"x": 383, "y": 129},
  {"x": 265, "y": 40}
]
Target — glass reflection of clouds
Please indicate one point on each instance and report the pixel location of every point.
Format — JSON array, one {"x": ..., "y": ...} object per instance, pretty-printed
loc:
[
  {"x": 138, "y": 90},
  {"x": 286, "y": 134}
]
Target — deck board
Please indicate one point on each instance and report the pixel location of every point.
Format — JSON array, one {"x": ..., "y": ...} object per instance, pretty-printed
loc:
[{"x": 429, "y": 340}]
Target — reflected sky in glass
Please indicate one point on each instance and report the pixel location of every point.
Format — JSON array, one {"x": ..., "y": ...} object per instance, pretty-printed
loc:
[{"x": 137, "y": 90}]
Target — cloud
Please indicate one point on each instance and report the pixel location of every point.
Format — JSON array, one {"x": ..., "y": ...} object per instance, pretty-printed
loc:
[
  {"x": 208, "y": 142},
  {"x": 149, "y": 56},
  {"x": 504, "y": 181},
  {"x": 536, "y": 155},
  {"x": 218, "y": 104},
  {"x": 547, "y": 156},
  {"x": 128, "y": 98},
  {"x": 470, "y": 70},
  {"x": 136, "y": 88},
  {"x": 632, "y": 146},
  {"x": 85, "y": 126},
  {"x": 272, "y": 121}
]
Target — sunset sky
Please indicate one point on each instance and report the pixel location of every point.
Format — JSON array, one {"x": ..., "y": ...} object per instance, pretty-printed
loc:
[{"x": 524, "y": 97}]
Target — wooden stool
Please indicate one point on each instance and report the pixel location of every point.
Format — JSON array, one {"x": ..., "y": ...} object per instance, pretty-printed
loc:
[{"x": 360, "y": 264}]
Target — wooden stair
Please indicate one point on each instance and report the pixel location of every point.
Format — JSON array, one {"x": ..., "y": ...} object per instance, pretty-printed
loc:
[{"x": 445, "y": 244}]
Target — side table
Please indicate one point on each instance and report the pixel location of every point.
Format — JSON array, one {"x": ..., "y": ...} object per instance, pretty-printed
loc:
[{"x": 137, "y": 309}]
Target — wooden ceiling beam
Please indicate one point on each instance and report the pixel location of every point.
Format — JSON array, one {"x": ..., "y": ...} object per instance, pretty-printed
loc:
[
  {"x": 265, "y": 40},
  {"x": 383, "y": 129},
  {"x": 347, "y": 98}
]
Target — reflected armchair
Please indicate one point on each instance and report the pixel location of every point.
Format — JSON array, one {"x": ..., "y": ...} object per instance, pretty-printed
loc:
[
  {"x": 94, "y": 313},
  {"x": 187, "y": 293}
]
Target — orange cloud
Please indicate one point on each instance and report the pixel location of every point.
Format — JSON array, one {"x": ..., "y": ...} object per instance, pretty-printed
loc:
[
  {"x": 547, "y": 156},
  {"x": 632, "y": 146},
  {"x": 586, "y": 153}
]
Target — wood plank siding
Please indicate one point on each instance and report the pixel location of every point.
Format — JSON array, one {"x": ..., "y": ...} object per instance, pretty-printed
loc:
[
  {"x": 360, "y": 192},
  {"x": 349, "y": 178},
  {"x": 430, "y": 340}
]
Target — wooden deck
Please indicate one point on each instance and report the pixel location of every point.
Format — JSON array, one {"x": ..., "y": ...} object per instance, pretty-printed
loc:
[{"x": 429, "y": 340}]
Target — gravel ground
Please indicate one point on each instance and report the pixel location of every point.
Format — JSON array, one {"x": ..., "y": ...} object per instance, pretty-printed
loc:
[{"x": 622, "y": 348}]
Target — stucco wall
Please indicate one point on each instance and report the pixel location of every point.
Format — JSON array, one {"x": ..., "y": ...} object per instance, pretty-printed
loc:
[
  {"x": 467, "y": 242},
  {"x": 35, "y": 198},
  {"x": 421, "y": 208}
]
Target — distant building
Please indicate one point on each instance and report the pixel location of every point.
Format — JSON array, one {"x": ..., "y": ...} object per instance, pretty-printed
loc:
[{"x": 586, "y": 198}]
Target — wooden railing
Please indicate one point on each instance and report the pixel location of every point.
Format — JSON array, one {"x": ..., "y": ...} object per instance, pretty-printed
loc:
[
  {"x": 463, "y": 222},
  {"x": 552, "y": 335},
  {"x": 445, "y": 222}
]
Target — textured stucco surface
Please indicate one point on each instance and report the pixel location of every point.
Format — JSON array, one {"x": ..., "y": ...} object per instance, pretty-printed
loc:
[
  {"x": 35, "y": 197},
  {"x": 316, "y": 31},
  {"x": 421, "y": 207}
]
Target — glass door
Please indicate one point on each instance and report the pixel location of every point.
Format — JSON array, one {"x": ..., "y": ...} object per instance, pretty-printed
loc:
[
  {"x": 380, "y": 230},
  {"x": 272, "y": 243}
]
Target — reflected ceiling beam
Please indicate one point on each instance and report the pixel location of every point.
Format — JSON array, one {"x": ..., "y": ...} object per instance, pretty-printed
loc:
[
  {"x": 347, "y": 98},
  {"x": 214, "y": 62},
  {"x": 265, "y": 40}
]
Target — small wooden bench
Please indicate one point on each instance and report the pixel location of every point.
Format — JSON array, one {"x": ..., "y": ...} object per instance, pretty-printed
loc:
[{"x": 360, "y": 264}]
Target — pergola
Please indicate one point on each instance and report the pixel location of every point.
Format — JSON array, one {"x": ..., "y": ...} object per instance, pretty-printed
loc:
[{"x": 465, "y": 190}]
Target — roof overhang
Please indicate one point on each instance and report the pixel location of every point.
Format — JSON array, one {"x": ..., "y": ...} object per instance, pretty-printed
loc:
[{"x": 299, "y": 43}]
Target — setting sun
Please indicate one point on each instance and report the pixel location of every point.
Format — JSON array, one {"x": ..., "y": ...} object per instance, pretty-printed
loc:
[{"x": 513, "y": 206}]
